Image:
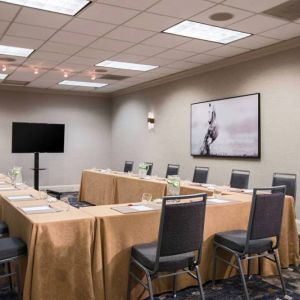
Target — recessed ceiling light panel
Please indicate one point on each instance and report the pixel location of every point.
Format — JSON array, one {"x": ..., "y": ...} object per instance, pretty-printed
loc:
[
  {"x": 2, "y": 76},
  {"x": 15, "y": 51},
  {"x": 67, "y": 7},
  {"x": 125, "y": 65},
  {"x": 206, "y": 32},
  {"x": 83, "y": 83}
]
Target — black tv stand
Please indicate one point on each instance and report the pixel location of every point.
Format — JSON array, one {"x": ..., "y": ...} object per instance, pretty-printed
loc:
[{"x": 37, "y": 170}]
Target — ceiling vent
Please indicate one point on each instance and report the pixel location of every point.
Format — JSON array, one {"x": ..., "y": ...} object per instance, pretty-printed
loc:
[
  {"x": 114, "y": 77},
  {"x": 15, "y": 82},
  {"x": 6, "y": 60},
  {"x": 289, "y": 10}
]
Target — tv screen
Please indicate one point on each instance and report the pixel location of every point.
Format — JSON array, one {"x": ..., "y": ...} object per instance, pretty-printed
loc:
[
  {"x": 37, "y": 137},
  {"x": 228, "y": 127}
]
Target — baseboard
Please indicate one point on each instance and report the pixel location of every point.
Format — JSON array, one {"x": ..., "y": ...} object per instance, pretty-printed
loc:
[
  {"x": 53, "y": 187},
  {"x": 298, "y": 225}
]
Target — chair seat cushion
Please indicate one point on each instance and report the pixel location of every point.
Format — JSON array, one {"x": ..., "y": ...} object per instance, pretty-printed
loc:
[
  {"x": 146, "y": 254},
  {"x": 236, "y": 240},
  {"x": 3, "y": 228},
  {"x": 11, "y": 247}
]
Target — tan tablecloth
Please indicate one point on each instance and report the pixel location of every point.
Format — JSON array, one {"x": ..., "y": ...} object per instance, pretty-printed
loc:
[
  {"x": 119, "y": 232},
  {"x": 60, "y": 250}
]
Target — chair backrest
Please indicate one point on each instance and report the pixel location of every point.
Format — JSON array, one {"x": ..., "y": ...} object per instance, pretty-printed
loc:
[
  {"x": 239, "y": 179},
  {"x": 172, "y": 170},
  {"x": 128, "y": 166},
  {"x": 266, "y": 214},
  {"x": 289, "y": 180},
  {"x": 181, "y": 225},
  {"x": 150, "y": 165},
  {"x": 200, "y": 174}
]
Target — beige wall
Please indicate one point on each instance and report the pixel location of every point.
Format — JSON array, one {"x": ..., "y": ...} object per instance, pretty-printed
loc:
[
  {"x": 87, "y": 134},
  {"x": 276, "y": 77}
]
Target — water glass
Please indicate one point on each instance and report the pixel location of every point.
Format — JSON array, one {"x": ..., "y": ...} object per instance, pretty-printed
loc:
[
  {"x": 43, "y": 195},
  {"x": 65, "y": 204},
  {"x": 218, "y": 192},
  {"x": 173, "y": 185},
  {"x": 146, "y": 197}
]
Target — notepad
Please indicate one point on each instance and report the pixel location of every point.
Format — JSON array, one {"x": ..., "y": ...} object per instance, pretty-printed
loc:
[
  {"x": 20, "y": 198},
  {"x": 38, "y": 209},
  {"x": 7, "y": 188},
  {"x": 248, "y": 191},
  {"x": 141, "y": 208},
  {"x": 127, "y": 209},
  {"x": 217, "y": 201}
]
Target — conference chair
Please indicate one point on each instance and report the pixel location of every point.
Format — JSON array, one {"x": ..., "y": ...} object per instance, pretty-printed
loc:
[
  {"x": 178, "y": 246},
  {"x": 128, "y": 166},
  {"x": 200, "y": 174},
  {"x": 3, "y": 229},
  {"x": 257, "y": 241},
  {"x": 11, "y": 249},
  {"x": 289, "y": 180},
  {"x": 239, "y": 179},
  {"x": 150, "y": 167},
  {"x": 172, "y": 170}
]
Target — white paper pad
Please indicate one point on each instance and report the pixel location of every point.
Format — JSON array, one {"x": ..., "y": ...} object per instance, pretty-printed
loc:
[
  {"x": 248, "y": 191},
  {"x": 218, "y": 201},
  {"x": 20, "y": 197},
  {"x": 141, "y": 208},
  {"x": 38, "y": 209},
  {"x": 7, "y": 188}
]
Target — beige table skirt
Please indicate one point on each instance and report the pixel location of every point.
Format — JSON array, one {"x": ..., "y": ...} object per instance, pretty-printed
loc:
[{"x": 120, "y": 232}]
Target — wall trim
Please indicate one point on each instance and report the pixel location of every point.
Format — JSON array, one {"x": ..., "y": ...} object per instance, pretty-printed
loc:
[
  {"x": 298, "y": 225},
  {"x": 53, "y": 187}
]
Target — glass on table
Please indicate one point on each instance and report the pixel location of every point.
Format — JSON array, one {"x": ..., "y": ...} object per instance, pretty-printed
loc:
[
  {"x": 218, "y": 192},
  {"x": 146, "y": 197},
  {"x": 43, "y": 195},
  {"x": 64, "y": 204}
]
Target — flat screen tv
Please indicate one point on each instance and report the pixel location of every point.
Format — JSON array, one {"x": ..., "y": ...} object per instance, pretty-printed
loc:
[
  {"x": 228, "y": 127},
  {"x": 37, "y": 137}
]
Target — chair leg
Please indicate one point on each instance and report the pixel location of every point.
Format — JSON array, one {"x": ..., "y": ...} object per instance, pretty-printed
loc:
[
  {"x": 242, "y": 276},
  {"x": 279, "y": 271},
  {"x": 149, "y": 280},
  {"x": 19, "y": 290},
  {"x": 249, "y": 268},
  {"x": 129, "y": 282},
  {"x": 174, "y": 286},
  {"x": 10, "y": 277},
  {"x": 214, "y": 266},
  {"x": 200, "y": 283}
]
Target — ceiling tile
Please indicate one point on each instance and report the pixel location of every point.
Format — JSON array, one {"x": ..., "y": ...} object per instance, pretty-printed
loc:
[
  {"x": 254, "y": 5},
  {"x": 24, "y": 74},
  {"x": 180, "y": 9},
  {"x": 3, "y": 26},
  {"x": 203, "y": 58},
  {"x": 257, "y": 24},
  {"x": 60, "y": 48},
  {"x": 110, "y": 45},
  {"x": 152, "y": 22},
  {"x": 238, "y": 15},
  {"x": 21, "y": 42},
  {"x": 128, "y": 34},
  {"x": 72, "y": 38},
  {"x": 183, "y": 65},
  {"x": 216, "y": 1},
  {"x": 284, "y": 32},
  {"x": 165, "y": 40},
  {"x": 95, "y": 53},
  {"x": 175, "y": 54},
  {"x": 145, "y": 50},
  {"x": 133, "y": 58},
  {"x": 39, "y": 83},
  {"x": 41, "y": 18},
  {"x": 34, "y": 32},
  {"x": 40, "y": 63},
  {"x": 227, "y": 51},
  {"x": 88, "y": 27},
  {"x": 52, "y": 75},
  {"x": 198, "y": 46},
  {"x": 70, "y": 67},
  {"x": 139, "y": 5},
  {"x": 44, "y": 55},
  {"x": 79, "y": 60},
  {"x": 107, "y": 14},
  {"x": 157, "y": 61},
  {"x": 121, "y": 72},
  {"x": 8, "y": 11},
  {"x": 254, "y": 42}
]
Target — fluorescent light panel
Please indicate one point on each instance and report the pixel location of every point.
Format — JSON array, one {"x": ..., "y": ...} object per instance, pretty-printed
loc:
[
  {"x": 68, "y": 7},
  {"x": 2, "y": 76},
  {"x": 206, "y": 32},
  {"x": 83, "y": 83},
  {"x": 125, "y": 65},
  {"x": 15, "y": 51}
]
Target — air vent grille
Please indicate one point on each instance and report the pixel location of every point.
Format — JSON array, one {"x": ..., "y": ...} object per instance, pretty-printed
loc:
[
  {"x": 114, "y": 77},
  {"x": 15, "y": 82},
  {"x": 289, "y": 10}
]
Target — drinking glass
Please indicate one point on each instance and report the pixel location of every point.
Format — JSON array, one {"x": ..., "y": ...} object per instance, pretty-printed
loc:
[
  {"x": 65, "y": 204},
  {"x": 43, "y": 195},
  {"x": 218, "y": 192},
  {"x": 146, "y": 197},
  {"x": 173, "y": 185}
]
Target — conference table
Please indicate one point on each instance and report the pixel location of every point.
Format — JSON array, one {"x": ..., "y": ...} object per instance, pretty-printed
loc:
[{"x": 116, "y": 232}]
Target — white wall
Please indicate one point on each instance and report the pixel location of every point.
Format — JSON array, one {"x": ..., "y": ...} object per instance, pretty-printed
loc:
[
  {"x": 87, "y": 134},
  {"x": 276, "y": 77}
]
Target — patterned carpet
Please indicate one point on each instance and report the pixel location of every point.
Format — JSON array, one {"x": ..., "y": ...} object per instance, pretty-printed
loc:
[{"x": 230, "y": 289}]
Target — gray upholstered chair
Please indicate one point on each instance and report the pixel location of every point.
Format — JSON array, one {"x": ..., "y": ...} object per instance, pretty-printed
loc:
[
  {"x": 257, "y": 241},
  {"x": 128, "y": 166},
  {"x": 172, "y": 170},
  {"x": 3, "y": 229},
  {"x": 178, "y": 246},
  {"x": 11, "y": 249},
  {"x": 200, "y": 174},
  {"x": 289, "y": 180},
  {"x": 150, "y": 165},
  {"x": 239, "y": 179}
]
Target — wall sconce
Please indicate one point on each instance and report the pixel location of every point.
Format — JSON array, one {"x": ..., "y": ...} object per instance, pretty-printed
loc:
[{"x": 151, "y": 120}]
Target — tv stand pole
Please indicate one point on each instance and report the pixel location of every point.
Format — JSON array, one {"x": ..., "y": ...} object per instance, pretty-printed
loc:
[{"x": 37, "y": 170}]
